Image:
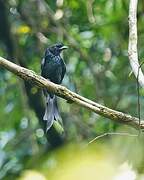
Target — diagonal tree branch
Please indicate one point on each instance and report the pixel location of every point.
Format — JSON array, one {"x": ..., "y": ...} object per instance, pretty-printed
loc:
[
  {"x": 132, "y": 47},
  {"x": 70, "y": 96}
]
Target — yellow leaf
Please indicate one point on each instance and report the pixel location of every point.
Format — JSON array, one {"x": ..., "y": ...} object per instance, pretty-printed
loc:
[{"x": 23, "y": 29}]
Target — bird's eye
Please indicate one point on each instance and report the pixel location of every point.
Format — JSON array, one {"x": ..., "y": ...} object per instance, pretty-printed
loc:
[{"x": 59, "y": 45}]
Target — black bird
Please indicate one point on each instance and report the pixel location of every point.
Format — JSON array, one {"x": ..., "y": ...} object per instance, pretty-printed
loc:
[{"x": 53, "y": 68}]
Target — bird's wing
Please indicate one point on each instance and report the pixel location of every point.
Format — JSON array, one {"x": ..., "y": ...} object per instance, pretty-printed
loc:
[
  {"x": 42, "y": 63},
  {"x": 46, "y": 58},
  {"x": 63, "y": 71}
]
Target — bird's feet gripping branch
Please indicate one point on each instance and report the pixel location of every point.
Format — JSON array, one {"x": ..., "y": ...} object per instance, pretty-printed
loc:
[{"x": 53, "y": 68}]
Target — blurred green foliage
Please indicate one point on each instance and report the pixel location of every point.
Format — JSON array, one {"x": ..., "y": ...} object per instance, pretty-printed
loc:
[{"x": 96, "y": 32}]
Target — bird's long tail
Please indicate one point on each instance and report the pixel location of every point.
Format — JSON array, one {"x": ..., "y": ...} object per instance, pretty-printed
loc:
[{"x": 51, "y": 111}]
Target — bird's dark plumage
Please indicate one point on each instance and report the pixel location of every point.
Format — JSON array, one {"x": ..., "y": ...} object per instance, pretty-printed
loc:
[{"x": 52, "y": 68}]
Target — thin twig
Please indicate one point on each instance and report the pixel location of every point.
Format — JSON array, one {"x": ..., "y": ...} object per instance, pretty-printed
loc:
[
  {"x": 138, "y": 100},
  {"x": 138, "y": 97},
  {"x": 112, "y": 133}
]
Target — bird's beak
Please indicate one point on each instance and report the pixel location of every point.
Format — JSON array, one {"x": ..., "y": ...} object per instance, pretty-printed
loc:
[{"x": 64, "y": 47}]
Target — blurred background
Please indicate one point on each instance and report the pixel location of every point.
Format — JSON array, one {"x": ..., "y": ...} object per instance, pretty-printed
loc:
[{"x": 96, "y": 32}]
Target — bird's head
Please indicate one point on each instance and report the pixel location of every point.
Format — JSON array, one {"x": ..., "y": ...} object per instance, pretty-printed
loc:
[{"x": 57, "y": 49}]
